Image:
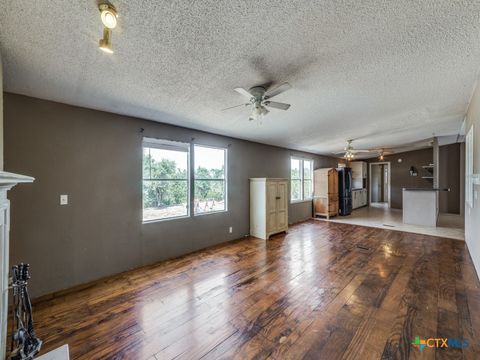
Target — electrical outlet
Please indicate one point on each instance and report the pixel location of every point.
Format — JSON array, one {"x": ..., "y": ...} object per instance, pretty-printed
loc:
[
  {"x": 63, "y": 199},
  {"x": 230, "y": 229}
]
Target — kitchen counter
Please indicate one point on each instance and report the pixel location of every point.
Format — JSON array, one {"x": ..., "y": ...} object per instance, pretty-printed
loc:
[
  {"x": 420, "y": 206},
  {"x": 426, "y": 189}
]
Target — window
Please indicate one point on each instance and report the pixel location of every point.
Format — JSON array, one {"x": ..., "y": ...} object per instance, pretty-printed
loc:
[
  {"x": 210, "y": 179},
  {"x": 301, "y": 179},
  {"x": 165, "y": 179}
]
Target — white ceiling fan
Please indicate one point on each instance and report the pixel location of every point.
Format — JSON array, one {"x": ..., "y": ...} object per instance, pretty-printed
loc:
[
  {"x": 259, "y": 100},
  {"x": 349, "y": 152}
]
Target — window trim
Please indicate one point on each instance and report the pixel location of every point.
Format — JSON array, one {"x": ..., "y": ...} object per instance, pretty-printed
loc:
[
  {"x": 302, "y": 180},
  {"x": 169, "y": 146},
  {"x": 225, "y": 178},
  {"x": 469, "y": 178}
]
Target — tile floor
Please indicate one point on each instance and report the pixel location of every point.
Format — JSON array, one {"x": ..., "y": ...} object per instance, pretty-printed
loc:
[{"x": 378, "y": 215}]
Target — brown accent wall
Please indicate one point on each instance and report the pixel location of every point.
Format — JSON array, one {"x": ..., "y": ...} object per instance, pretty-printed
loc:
[
  {"x": 96, "y": 158},
  {"x": 449, "y": 177},
  {"x": 400, "y": 172},
  {"x": 450, "y": 158},
  {"x": 1, "y": 113}
]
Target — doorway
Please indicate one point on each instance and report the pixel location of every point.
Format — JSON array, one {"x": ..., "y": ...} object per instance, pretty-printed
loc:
[{"x": 379, "y": 183}]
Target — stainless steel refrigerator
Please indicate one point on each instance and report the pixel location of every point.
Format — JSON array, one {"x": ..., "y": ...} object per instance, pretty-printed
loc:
[{"x": 344, "y": 191}]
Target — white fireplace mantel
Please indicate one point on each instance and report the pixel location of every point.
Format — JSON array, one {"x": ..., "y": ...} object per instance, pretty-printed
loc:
[
  {"x": 7, "y": 181},
  {"x": 11, "y": 179}
]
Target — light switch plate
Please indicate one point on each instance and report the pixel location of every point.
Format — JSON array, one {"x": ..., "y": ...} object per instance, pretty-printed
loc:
[{"x": 63, "y": 199}]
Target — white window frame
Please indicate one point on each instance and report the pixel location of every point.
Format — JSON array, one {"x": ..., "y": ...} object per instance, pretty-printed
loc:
[
  {"x": 173, "y": 146},
  {"x": 469, "y": 178},
  {"x": 225, "y": 177},
  {"x": 303, "y": 198}
]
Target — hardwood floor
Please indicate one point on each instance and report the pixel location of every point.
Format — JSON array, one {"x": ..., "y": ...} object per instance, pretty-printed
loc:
[{"x": 323, "y": 291}]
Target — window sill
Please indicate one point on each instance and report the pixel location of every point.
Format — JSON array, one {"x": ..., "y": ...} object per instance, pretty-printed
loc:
[
  {"x": 300, "y": 201},
  {"x": 166, "y": 219},
  {"x": 211, "y": 212}
]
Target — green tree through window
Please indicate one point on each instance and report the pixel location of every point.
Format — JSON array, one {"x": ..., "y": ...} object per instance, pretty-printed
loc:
[
  {"x": 210, "y": 183},
  {"x": 301, "y": 176},
  {"x": 165, "y": 182}
]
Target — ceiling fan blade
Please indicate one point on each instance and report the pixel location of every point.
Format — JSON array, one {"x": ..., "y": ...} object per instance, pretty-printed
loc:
[
  {"x": 243, "y": 92},
  {"x": 361, "y": 151},
  {"x": 277, "y": 105},
  {"x": 232, "y": 107},
  {"x": 278, "y": 90}
]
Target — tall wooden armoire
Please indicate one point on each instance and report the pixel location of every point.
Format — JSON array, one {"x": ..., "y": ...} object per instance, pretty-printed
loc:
[
  {"x": 268, "y": 206},
  {"x": 325, "y": 192}
]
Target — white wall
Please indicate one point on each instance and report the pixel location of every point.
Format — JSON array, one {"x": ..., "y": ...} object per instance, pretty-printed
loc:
[{"x": 472, "y": 215}]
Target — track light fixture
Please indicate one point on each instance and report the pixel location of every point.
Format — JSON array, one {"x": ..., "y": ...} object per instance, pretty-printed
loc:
[
  {"x": 108, "y": 14},
  {"x": 105, "y": 43}
]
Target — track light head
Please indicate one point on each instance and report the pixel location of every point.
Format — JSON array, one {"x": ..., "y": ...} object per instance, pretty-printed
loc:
[{"x": 108, "y": 15}]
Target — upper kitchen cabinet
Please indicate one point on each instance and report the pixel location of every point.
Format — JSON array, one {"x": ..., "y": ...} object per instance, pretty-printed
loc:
[{"x": 359, "y": 174}]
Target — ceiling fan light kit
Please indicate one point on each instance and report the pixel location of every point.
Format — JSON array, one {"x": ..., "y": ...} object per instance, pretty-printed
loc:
[{"x": 258, "y": 99}]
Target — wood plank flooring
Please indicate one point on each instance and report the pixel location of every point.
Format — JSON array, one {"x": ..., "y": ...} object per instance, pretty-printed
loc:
[{"x": 323, "y": 291}]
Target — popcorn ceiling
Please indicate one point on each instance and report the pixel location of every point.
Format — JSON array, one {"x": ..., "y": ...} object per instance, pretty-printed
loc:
[{"x": 382, "y": 72}]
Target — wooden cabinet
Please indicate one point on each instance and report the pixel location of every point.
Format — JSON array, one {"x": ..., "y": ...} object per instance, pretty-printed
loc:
[
  {"x": 325, "y": 192},
  {"x": 268, "y": 206}
]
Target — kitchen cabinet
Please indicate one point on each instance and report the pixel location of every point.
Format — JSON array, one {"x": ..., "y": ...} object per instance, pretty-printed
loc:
[
  {"x": 268, "y": 206},
  {"x": 359, "y": 174},
  {"x": 359, "y": 198}
]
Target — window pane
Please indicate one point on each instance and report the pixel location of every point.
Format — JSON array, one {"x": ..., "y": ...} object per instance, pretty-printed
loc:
[
  {"x": 295, "y": 169},
  {"x": 296, "y": 189},
  {"x": 307, "y": 189},
  {"x": 307, "y": 169},
  {"x": 146, "y": 163},
  {"x": 165, "y": 184},
  {"x": 209, "y": 163},
  {"x": 210, "y": 185},
  {"x": 167, "y": 164},
  {"x": 164, "y": 199},
  {"x": 209, "y": 196}
]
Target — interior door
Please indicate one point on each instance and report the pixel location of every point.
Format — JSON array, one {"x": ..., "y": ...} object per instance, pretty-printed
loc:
[
  {"x": 282, "y": 203},
  {"x": 271, "y": 206}
]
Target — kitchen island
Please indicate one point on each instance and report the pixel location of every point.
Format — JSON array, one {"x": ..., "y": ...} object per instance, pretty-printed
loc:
[{"x": 420, "y": 206}]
